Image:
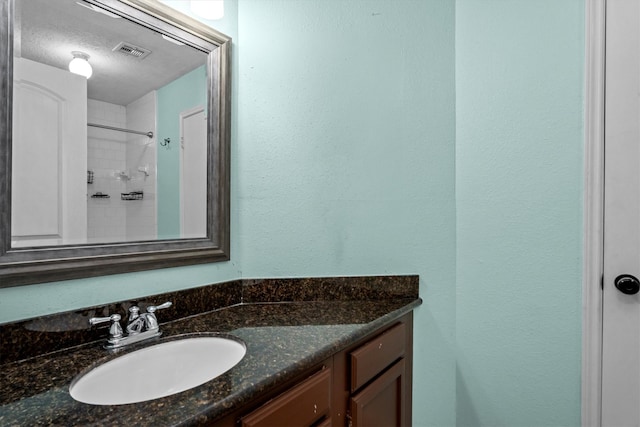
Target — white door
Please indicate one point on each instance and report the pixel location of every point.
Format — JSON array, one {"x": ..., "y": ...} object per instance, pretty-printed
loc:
[
  {"x": 621, "y": 311},
  {"x": 49, "y": 169},
  {"x": 193, "y": 176}
]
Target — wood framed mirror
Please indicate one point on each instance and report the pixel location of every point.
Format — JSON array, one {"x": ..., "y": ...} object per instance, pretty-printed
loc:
[{"x": 127, "y": 170}]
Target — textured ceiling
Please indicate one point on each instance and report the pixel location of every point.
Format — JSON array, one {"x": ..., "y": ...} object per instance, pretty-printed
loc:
[{"x": 47, "y": 31}]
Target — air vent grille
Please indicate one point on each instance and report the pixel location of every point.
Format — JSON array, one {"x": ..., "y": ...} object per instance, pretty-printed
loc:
[{"x": 132, "y": 50}]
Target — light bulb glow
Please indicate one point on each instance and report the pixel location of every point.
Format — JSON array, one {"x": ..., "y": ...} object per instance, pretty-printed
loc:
[
  {"x": 80, "y": 64},
  {"x": 208, "y": 9}
]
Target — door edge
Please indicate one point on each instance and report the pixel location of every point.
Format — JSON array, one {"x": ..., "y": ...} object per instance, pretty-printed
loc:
[{"x": 593, "y": 244}]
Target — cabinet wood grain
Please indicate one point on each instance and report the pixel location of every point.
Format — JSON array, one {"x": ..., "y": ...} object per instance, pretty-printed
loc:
[
  {"x": 373, "y": 357},
  {"x": 381, "y": 403},
  {"x": 303, "y": 405}
]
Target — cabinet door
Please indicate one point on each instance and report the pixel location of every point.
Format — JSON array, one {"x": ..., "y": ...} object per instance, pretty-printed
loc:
[{"x": 381, "y": 403}]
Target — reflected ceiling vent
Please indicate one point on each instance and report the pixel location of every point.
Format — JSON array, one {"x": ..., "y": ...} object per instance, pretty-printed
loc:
[{"x": 132, "y": 50}]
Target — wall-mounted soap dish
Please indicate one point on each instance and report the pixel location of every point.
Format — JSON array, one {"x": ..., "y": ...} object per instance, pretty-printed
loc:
[{"x": 134, "y": 195}]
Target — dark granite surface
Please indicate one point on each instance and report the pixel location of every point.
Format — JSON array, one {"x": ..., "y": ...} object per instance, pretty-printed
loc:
[
  {"x": 40, "y": 335},
  {"x": 329, "y": 289},
  {"x": 283, "y": 340}
]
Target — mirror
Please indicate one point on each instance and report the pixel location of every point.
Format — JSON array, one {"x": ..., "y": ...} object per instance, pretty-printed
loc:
[
  {"x": 122, "y": 171},
  {"x": 120, "y": 156}
]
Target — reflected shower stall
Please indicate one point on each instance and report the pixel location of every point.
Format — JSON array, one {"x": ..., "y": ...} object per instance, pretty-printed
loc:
[{"x": 121, "y": 156}]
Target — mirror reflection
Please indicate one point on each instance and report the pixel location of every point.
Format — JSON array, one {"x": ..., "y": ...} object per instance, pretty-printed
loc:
[{"x": 119, "y": 156}]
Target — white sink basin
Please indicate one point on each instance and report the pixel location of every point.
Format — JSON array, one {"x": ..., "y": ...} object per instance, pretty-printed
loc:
[{"x": 158, "y": 371}]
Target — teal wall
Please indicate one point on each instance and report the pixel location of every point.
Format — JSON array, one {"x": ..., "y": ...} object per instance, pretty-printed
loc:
[
  {"x": 184, "y": 93},
  {"x": 437, "y": 137},
  {"x": 519, "y": 160},
  {"x": 347, "y": 153}
]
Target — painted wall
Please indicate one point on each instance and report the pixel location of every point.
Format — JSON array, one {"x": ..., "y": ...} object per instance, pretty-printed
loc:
[
  {"x": 519, "y": 157},
  {"x": 346, "y": 150},
  {"x": 184, "y": 93},
  {"x": 328, "y": 214}
]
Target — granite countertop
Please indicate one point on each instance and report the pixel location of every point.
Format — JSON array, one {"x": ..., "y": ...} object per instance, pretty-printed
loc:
[{"x": 283, "y": 340}]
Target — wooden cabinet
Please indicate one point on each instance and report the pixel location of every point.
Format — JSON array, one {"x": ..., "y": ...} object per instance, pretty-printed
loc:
[
  {"x": 305, "y": 404},
  {"x": 368, "y": 384},
  {"x": 379, "y": 381},
  {"x": 381, "y": 403},
  {"x": 375, "y": 356}
]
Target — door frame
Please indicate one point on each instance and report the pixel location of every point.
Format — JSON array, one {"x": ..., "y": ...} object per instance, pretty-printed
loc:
[{"x": 593, "y": 244}]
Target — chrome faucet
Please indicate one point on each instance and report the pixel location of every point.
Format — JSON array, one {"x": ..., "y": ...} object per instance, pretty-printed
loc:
[
  {"x": 136, "y": 322},
  {"x": 140, "y": 326}
]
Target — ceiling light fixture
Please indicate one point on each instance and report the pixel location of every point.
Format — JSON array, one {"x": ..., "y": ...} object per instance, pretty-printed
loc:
[
  {"x": 208, "y": 9},
  {"x": 80, "y": 64}
]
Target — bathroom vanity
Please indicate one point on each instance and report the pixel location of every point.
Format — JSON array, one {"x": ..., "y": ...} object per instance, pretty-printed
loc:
[
  {"x": 369, "y": 383},
  {"x": 322, "y": 351}
]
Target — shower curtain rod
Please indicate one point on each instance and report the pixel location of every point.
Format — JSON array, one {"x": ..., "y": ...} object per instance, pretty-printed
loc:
[{"x": 149, "y": 134}]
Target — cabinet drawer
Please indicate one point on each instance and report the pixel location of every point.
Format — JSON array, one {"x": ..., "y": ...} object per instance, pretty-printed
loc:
[
  {"x": 303, "y": 405},
  {"x": 374, "y": 356}
]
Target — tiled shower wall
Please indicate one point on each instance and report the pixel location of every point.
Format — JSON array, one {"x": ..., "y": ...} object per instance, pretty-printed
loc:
[
  {"x": 116, "y": 159},
  {"x": 106, "y": 157},
  {"x": 141, "y": 162}
]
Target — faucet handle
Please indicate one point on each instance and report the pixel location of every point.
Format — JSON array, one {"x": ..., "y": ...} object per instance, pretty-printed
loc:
[
  {"x": 150, "y": 317},
  {"x": 153, "y": 308},
  {"x": 112, "y": 318},
  {"x": 115, "y": 330}
]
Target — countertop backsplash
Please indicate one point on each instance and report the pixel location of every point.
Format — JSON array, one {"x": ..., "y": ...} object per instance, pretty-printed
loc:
[{"x": 46, "y": 334}]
